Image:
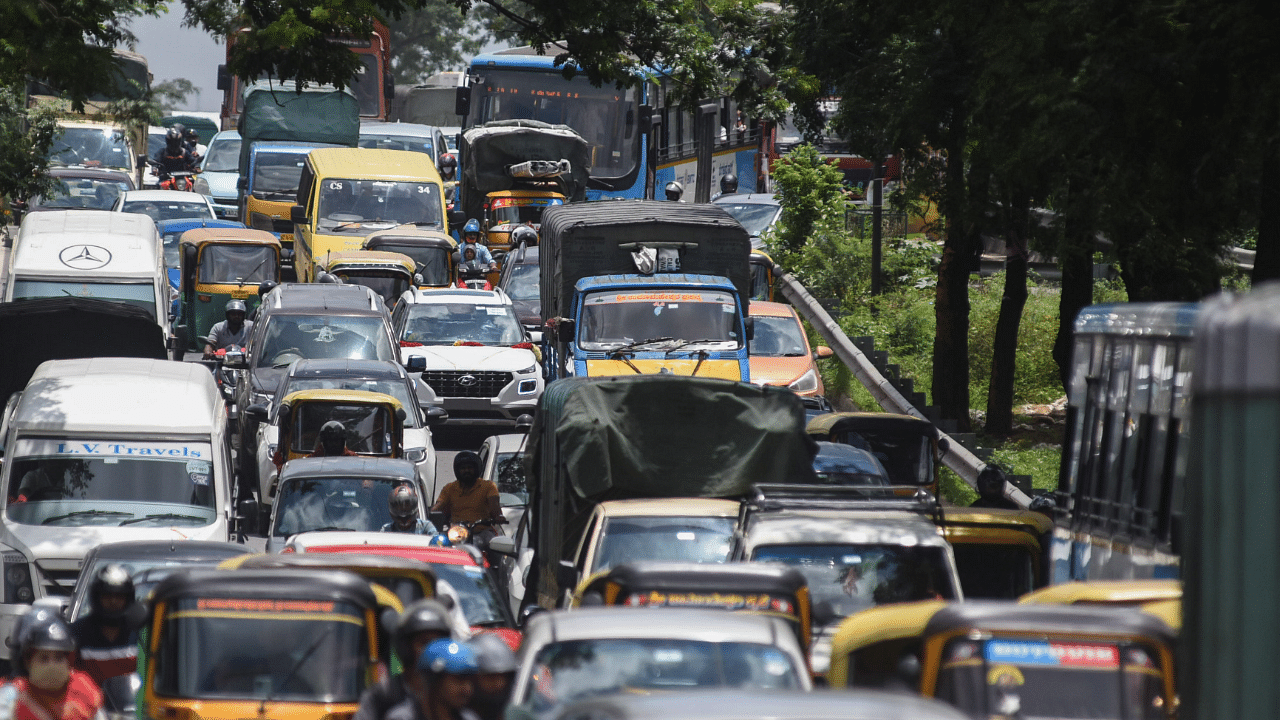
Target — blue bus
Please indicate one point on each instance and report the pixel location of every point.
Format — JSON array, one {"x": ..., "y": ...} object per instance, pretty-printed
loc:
[{"x": 630, "y": 157}]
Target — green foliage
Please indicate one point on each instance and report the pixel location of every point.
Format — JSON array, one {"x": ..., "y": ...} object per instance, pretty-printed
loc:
[
  {"x": 809, "y": 190},
  {"x": 433, "y": 37},
  {"x": 25, "y": 138},
  {"x": 172, "y": 94},
  {"x": 1036, "y": 377}
]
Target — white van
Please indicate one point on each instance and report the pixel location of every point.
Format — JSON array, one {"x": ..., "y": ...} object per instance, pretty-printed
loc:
[
  {"x": 101, "y": 450},
  {"x": 91, "y": 253}
]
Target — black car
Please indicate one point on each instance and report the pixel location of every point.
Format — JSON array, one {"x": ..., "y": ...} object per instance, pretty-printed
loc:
[
  {"x": 148, "y": 562},
  {"x": 520, "y": 281}
]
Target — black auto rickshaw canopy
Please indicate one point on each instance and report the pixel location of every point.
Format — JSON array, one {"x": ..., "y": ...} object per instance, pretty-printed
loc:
[{"x": 907, "y": 446}]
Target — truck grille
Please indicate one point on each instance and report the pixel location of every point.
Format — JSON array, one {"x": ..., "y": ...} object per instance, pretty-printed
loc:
[
  {"x": 465, "y": 383},
  {"x": 59, "y": 582}
]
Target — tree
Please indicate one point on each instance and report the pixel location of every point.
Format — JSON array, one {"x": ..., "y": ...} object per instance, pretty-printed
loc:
[
  {"x": 432, "y": 38},
  {"x": 26, "y": 134},
  {"x": 172, "y": 94},
  {"x": 809, "y": 189}
]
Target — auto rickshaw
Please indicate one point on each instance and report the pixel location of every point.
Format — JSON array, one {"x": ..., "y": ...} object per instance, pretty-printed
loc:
[
  {"x": 761, "y": 276},
  {"x": 225, "y": 645},
  {"x": 1003, "y": 660},
  {"x": 907, "y": 446},
  {"x": 751, "y": 587},
  {"x": 431, "y": 251},
  {"x": 1000, "y": 554},
  {"x": 1162, "y": 598},
  {"x": 505, "y": 210},
  {"x": 374, "y": 422},
  {"x": 220, "y": 264},
  {"x": 388, "y": 273}
]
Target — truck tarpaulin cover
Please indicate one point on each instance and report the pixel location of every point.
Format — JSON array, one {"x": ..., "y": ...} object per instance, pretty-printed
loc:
[
  {"x": 277, "y": 111},
  {"x": 587, "y": 239},
  {"x": 665, "y": 436},
  {"x": 32, "y": 331},
  {"x": 488, "y": 150}
]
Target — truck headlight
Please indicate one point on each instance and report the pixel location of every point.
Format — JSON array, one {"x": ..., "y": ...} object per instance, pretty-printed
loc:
[
  {"x": 17, "y": 580},
  {"x": 415, "y": 455},
  {"x": 807, "y": 382}
]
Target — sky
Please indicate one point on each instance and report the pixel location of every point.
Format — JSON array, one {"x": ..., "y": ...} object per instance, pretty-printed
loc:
[{"x": 173, "y": 51}]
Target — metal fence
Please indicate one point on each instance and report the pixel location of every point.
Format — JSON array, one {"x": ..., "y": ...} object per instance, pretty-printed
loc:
[{"x": 858, "y": 220}]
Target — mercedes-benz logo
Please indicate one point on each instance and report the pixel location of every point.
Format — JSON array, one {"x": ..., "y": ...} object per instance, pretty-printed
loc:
[
  {"x": 468, "y": 381},
  {"x": 85, "y": 257}
]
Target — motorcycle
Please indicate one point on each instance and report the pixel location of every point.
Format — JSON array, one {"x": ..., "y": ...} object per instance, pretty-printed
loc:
[
  {"x": 472, "y": 276},
  {"x": 179, "y": 180}
]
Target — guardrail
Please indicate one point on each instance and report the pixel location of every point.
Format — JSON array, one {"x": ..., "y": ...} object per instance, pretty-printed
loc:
[{"x": 957, "y": 457}]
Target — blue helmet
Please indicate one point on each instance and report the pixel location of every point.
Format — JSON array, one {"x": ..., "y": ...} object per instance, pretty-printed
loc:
[
  {"x": 448, "y": 657},
  {"x": 472, "y": 226},
  {"x": 439, "y": 540}
]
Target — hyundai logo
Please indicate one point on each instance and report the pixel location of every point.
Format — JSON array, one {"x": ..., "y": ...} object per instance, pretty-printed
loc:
[
  {"x": 468, "y": 381},
  {"x": 85, "y": 257}
]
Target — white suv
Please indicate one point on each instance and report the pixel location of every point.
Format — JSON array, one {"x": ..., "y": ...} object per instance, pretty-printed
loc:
[{"x": 472, "y": 352}]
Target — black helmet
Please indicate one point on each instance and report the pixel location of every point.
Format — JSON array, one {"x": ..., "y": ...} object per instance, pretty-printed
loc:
[
  {"x": 403, "y": 503},
  {"x": 466, "y": 457},
  {"x": 265, "y": 287},
  {"x": 35, "y": 616},
  {"x": 110, "y": 578},
  {"x": 524, "y": 235},
  {"x": 173, "y": 139},
  {"x": 190, "y": 134},
  {"x": 729, "y": 183},
  {"x": 424, "y": 615},
  {"x": 51, "y": 635},
  {"x": 674, "y": 190},
  {"x": 493, "y": 654},
  {"x": 235, "y": 306},
  {"x": 333, "y": 434}
]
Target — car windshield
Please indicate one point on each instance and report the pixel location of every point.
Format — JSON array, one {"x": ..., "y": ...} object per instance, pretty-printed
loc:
[
  {"x": 332, "y": 503},
  {"x": 295, "y": 337},
  {"x": 82, "y": 192},
  {"x": 675, "y": 539},
  {"x": 281, "y": 648},
  {"x": 359, "y": 207},
  {"x": 523, "y": 282},
  {"x": 368, "y": 427},
  {"x": 223, "y": 155},
  {"x": 432, "y": 262},
  {"x": 451, "y": 323},
  {"x": 777, "y": 337},
  {"x": 480, "y": 604},
  {"x": 242, "y": 264},
  {"x": 141, "y": 295},
  {"x": 755, "y": 217},
  {"x": 412, "y": 143},
  {"x": 93, "y": 147},
  {"x": 570, "y": 670},
  {"x": 513, "y": 484},
  {"x": 276, "y": 174},
  {"x": 614, "y": 319},
  {"x": 520, "y": 210},
  {"x": 852, "y": 577},
  {"x": 168, "y": 209},
  {"x": 396, "y": 388},
  {"x": 112, "y": 483},
  {"x": 1053, "y": 678}
]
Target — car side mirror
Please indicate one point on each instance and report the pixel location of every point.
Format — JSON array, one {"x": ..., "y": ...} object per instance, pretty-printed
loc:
[
  {"x": 437, "y": 415},
  {"x": 416, "y": 364},
  {"x": 503, "y": 545},
  {"x": 257, "y": 413},
  {"x": 298, "y": 214},
  {"x": 751, "y": 328},
  {"x": 247, "y": 516},
  {"x": 566, "y": 575},
  {"x": 822, "y": 352},
  {"x": 524, "y": 423}
]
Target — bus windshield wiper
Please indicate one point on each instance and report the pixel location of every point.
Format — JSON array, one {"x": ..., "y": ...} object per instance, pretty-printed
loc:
[
  {"x": 161, "y": 516},
  {"x": 82, "y": 513}
]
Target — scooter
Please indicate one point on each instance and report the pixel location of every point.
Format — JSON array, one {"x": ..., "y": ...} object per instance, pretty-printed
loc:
[{"x": 472, "y": 276}]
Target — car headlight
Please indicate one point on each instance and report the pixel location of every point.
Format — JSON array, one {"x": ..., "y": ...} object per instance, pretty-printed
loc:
[
  {"x": 807, "y": 382},
  {"x": 527, "y": 370},
  {"x": 17, "y": 580},
  {"x": 415, "y": 455}
]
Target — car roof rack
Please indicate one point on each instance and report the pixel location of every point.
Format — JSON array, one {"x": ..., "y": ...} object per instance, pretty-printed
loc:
[{"x": 772, "y": 497}]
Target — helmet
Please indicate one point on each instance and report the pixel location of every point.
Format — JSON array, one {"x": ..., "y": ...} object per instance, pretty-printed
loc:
[
  {"x": 729, "y": 183},
  {"x": 333, "y": 432},
  {"x": 236, "y": 306},
  {"x": 110, "y": 578},
  {"x": 173, "y": 138},
  {"x": 190, "y": 134},
  {"x": 448, "y": 657},
  {"x": 403, "y": 502},
  {"x": 265, "y": 287},
  {"x": 472, "y": 226},
  {"x": 492, "y": 654},
  {"x": 33, "y": 618},
  {"x": 182, "y": 129},
  {"x": 439, "y": 540},
  {"x": 466, "y": 457},
  {"x": 425, "y": 615},
  {"x": 524, "y": 235},
  {"x": 447, "y": 160},
  {"x": 51, "y": 635},
  {"x": 674, "y": 190}
]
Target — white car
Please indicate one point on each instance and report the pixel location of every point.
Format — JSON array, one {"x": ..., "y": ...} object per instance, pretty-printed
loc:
[
  {"x": 475, "y": 358},
  {"x": 166, "y": 205},
  {"x": 220, "y": 173}
]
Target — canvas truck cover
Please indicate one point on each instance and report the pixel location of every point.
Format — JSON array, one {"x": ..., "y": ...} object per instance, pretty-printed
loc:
[
  {"x": 489, "y": 149},
  {"x": 590, "y": 239},
  {"x": 277, "y": 111}
]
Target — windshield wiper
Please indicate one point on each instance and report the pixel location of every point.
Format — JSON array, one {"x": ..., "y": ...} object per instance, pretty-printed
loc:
[
  {"x": 161, "y": 516},
  {"x": 631, "y": 346},
  {"x": 685, "y": 343},
  {"x": 82, "y": 513},
  {"x": 262, "y": 709}
]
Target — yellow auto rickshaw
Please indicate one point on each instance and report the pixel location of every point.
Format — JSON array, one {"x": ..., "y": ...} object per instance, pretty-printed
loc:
[
  {"x": 374, "y": 422},
  {"x": 761, "y": 276},
  {"x": 907, "y": 446},
  {"x": 221, "y": 264},
  {"x": 1004, "y": 660},
  {"x": 1000, "y": 554},
  {"x": 431, "y": 251},
  {"x": 1162, "y": 598},
  {"x": 388, "y": 273},
  {"x": 505, "y": 210},
  {"x": 286, "y": 644}
]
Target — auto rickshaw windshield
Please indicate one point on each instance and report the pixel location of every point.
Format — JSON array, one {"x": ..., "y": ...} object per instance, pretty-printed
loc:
[
  {"x": 432, "y": 262},
  {"x": 224, "y": 264},
  {"x": 387, "y": 284},
  {"x": 907, "y": 455},
  {"x": 368, "y": 427},
  {"x": 257, "y": 648}
]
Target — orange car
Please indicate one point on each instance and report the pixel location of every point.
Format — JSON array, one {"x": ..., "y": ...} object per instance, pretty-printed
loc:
[{"x": 779, "y": 350}]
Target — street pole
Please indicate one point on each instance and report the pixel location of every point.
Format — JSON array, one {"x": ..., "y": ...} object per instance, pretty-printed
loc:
[{"x": 877, "y": 196}]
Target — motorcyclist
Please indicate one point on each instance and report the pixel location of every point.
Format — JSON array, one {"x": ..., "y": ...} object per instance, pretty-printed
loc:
[
  {"x": 991, "y": 481},
  {"x": 191, "y": 140},
  {"x": 469, "y": 499},
  {"x": 403, "y": 505},
  {"x": 524, "y": 235},
  {"x": 728, "y": 185},
  {"x": 235, "y": 330},
  {"x": 421, "y": 623},
  {"x": 448, "y": 167},
  {"x": 174, "y": 156},
  {"x": 471, "y": 239},
  {"x": 446, "y": 673},
  {"x": 674, "y": 191},
  {"x": 496, "y": 678},
  {"x": 470, "y": 268},
  {"x": 107, "y": 638},
  {"x": 49, "y": 688}
]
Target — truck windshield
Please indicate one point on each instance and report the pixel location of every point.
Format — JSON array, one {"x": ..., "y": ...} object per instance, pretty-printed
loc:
[
  {"x": 332, "y": 503},
  {"x": 520, "y": 210},
  {"x": 276, "y": 174},
  {"x": 285, "y": 648},
  {"x": 141, "y": 295},
  {"x": 237, "y": 264},
  {"x": 450, "y": 323},
  {"x": 93, "y": 147},
  {"x": 616, "y": 318},
  {"x": 114, "y": 483},
  {"x": 359, "y": 207}
]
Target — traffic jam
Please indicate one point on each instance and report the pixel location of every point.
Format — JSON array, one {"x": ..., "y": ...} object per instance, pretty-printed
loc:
[{"x": 234, "y": 488}]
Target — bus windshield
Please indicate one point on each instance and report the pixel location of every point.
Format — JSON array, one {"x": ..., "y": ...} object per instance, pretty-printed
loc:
[{"x": 604, "y": 116}]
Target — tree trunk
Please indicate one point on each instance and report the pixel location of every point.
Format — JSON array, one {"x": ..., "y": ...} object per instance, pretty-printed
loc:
[
  {"x": 1004, "y": 354},
  {"x": 951, "y": 306},
  {"x": 1076, "y": 260},
  {"x": 1266, "y": 264}
]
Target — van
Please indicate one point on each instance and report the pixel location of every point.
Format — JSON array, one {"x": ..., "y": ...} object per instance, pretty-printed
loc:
[
  {"x": 93, "y": 254},
  {"x": 101, "y": 450},
  {"x": 271, "y": 186},
  {"x": 345, "y": 194}
]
